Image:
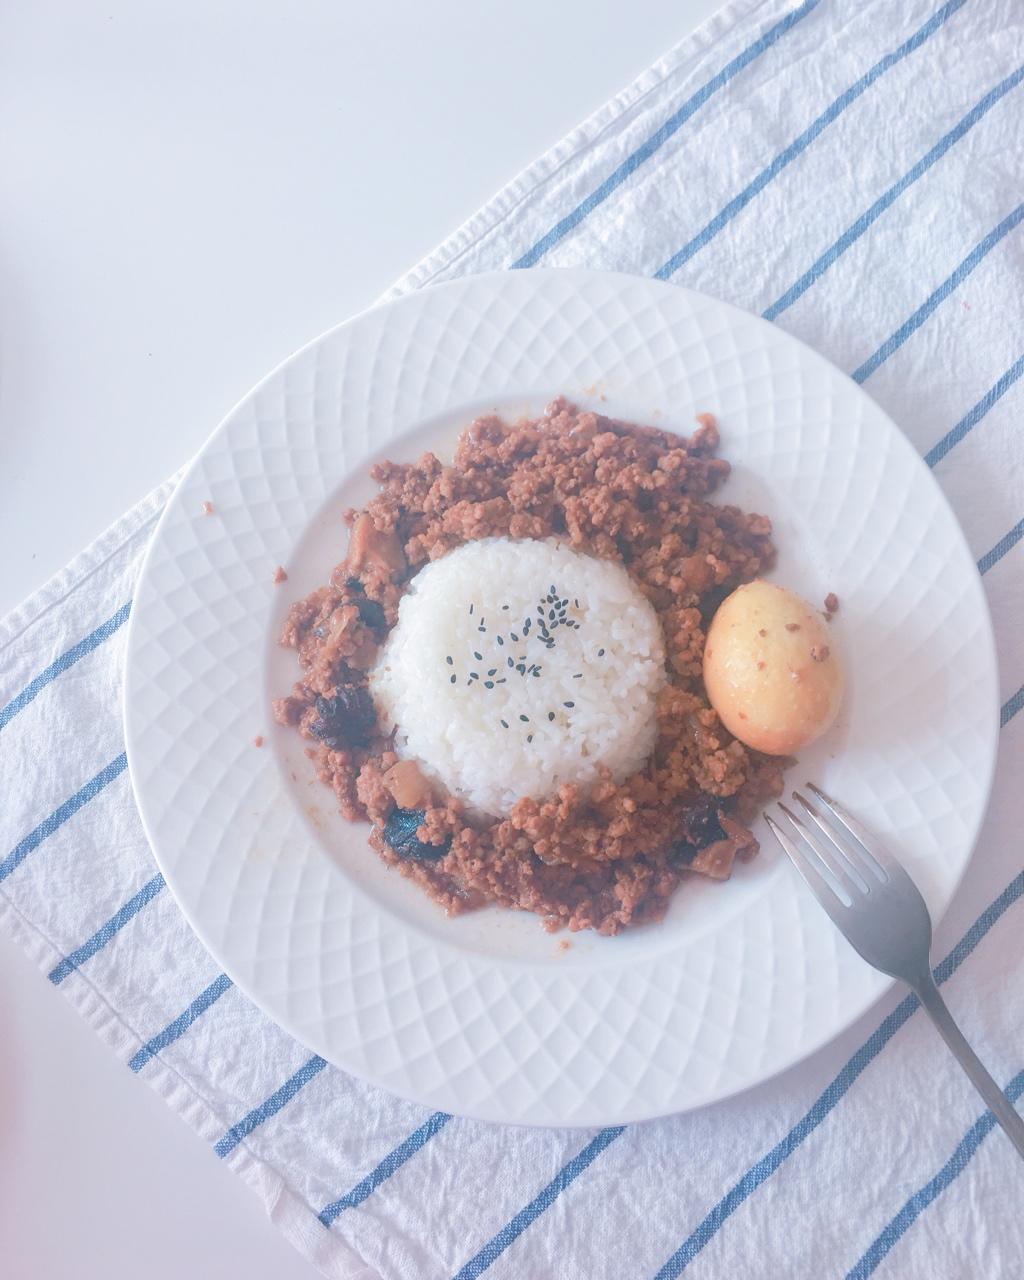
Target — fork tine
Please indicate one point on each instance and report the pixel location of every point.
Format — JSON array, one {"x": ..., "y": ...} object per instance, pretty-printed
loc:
[
  {"x": 836, "y": 869},
  {"x": 872, "y": 853},
  {"x": 863, "y": 870},
  {"x": 815, "y": 881}
]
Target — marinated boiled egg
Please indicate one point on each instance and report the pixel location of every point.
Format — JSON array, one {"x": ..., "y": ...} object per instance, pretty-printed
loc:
[{"x": 771, "y": 669}]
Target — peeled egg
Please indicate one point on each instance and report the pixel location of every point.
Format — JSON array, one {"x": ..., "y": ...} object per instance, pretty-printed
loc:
[{"x": 771, "y": 669}]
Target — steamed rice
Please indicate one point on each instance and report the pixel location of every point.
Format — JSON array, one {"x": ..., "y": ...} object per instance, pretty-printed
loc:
[{"x": 497, "y": 707}]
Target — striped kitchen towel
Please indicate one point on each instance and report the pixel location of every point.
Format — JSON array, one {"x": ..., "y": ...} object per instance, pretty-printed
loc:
[{"x": 853, "y": 170}]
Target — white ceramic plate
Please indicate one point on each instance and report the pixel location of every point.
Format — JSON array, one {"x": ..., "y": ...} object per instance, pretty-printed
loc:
[{"x": 484, "y": 1015}]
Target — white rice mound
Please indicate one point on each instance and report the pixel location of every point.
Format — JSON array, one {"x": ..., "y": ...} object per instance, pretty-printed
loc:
[{"x": 610, "y": 667}]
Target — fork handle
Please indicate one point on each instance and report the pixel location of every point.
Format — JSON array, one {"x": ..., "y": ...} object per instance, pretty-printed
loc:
[{"x": 993, "y": 1097}]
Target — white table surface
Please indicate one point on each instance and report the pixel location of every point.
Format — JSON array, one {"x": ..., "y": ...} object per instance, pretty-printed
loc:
[{"x": 169, "y": 174}]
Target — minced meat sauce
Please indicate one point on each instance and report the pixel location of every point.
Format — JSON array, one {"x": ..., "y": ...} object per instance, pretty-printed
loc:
[{"x": 601, "y": 860}]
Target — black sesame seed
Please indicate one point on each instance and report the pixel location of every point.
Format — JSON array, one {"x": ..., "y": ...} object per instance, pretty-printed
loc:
[
  {"x": 576, "y": 603},
  {"x": 600, "y": 653},
  {"x": 514, "y": 636},
  {"x": 493, "y": 671},
  {"x": 551, "y": 715},
  {"x": 505, "y": 608},
  {"x": 453, "y": 679},
  {"x": 529, "y": 737},
  {"x": 525, "y": 719},
  {"x": 521, "y": 668},
  {"x": 504, "y": 724},
  {"x": 510, "y": 662},
  {"x": 481, "y": 628},
  {"x": 536, "y": 674},
  {"x": 501, "y": 681},
  {"x": 488, "y": 684},
  {"x": 473, "y": 676},
  {"x": 450, "y": 660},
  {"x": 479, "y": 656},
  {"x": 499, "y": 640},
  {"x": 470, "y": 610},
  {"x": 570, "y": 705},
  {"x": 552, "y": 588}
]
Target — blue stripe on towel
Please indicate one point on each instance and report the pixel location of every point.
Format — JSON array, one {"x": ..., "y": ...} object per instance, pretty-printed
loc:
[
  {"x": 103, "y": 935},
  {"x": 391, "y": 1163},
  {"x": 971, "y": 419},
  {"x": 920, "y": 1200},
  {"x": 271, "y": 1106},
  {"x": 804, "y": 140},
  {"x": 1004, "y": 545},
  {"x": 854, "y": 232},
  {"x": 92, "y": 641},
  {"x": 1010, "y": 707},
  {"x": 977, "y": 254},
  {"x": 60, "y": 815},
  {"x": 512, "y": 1230},
  {"x": 174, "y": 1030},
  {"x": 657, "y": 139}
]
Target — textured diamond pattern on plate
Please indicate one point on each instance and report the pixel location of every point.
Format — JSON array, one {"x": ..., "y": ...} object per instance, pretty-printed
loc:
[{"x": 741, "y": 980}]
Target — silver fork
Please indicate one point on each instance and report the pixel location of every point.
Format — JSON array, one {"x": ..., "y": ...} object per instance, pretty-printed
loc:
[{"x": 881, "y": 913}]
